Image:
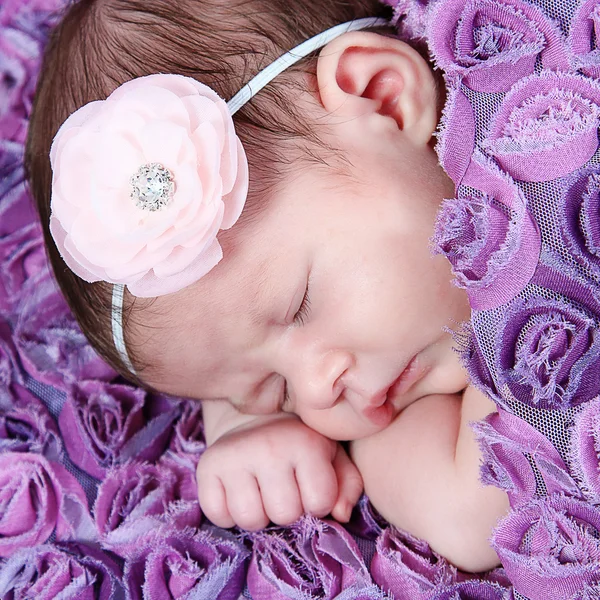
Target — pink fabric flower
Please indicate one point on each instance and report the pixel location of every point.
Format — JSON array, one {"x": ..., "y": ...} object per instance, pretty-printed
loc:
[{"x": 102, "y": 234}]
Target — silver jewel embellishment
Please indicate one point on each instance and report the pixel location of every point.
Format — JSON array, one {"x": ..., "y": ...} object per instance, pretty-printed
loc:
[{"x": 153, "y": 186}]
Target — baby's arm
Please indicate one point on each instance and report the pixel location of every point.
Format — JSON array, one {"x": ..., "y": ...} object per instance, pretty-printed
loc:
[
  {"x": 422, "y": 475},
  {"x": 261, "y": 468}
]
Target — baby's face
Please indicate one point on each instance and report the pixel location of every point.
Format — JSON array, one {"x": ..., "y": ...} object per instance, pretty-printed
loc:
[{"x": 329, "y": 305}]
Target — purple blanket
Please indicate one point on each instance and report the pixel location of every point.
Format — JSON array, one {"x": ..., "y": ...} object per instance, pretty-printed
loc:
[{"x": 97, "y": 486}]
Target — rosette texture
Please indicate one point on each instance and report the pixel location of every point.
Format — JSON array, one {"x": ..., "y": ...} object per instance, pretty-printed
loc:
[
  {"x": 492, "y": 44},
  {"x": 549, "y": 353},
  {"x": 513, "y": 453},
  {"x": 547, "y": 126},
  {"x": 109, "y": 424},
  {"x": 70, "y": 571},
  {"x": 38, "y": 497},
  {"x": 311, "y": 559},
  {"x": 584, "y": 453},
  {"x": 101, "y": 232},
  {"x": 183, "y": 566},
  {"x": 136, "y": 500},
  {"x": 407, "y": 568},
  {"x": 486, "y": 234},
  {"x": 550, "y": 548}
]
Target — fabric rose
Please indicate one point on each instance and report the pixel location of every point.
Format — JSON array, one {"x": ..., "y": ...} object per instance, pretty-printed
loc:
[
  {"x": 22, "y": 256},
  {"x": 10, "y": 367},
  {"x": 550, "y": 548},
  {"x": 113, "y": 230},
  {"x": 16, "y": 206},
  {"x": 456, "y": 141},
  {"x": 489, "y": 237},
  {"x": 473, "y": 590},
  {"x": 511, "y": 449},
  {"x": 580, "y": 222},
  {"x": 584, "y": 38},
  {"x": 584, "y": 449},
  {"x": 70, "y": 571},
  {"x": 546, "y": 127},
  {"x": 314, "y": 558},
  {"x": 365, "y": 521},
  {"x": 18, "y": 66},
  {"x": 135, "y": 500},
  {"x": 105, "y": 424},
  {"x": 491, "y": 44},
  {"x": 409, "y": 17},
  {"x": 188, "y": 432},
  {"x": 185, "y": 565},
  {"x": 38, "y": 497},
  {"x": 407, "y": 568},
  {"x": 548, "y": 352},
  {"x": 26, "y": 425},
  {"x": 50, "y": 344}
]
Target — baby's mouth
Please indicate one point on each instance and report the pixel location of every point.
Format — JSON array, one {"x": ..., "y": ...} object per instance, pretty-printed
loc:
[{"x": 382, "y": 407}]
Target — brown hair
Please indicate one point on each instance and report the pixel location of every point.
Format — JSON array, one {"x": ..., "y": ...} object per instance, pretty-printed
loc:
[{"x": 100, "y": 44}]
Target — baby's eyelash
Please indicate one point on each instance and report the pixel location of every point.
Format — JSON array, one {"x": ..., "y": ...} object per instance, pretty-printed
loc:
[
  {"x": 302, "y": 314},
  {"x": 286, "y": 396}
]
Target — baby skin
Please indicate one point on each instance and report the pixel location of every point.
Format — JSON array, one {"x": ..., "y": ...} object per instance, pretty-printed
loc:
[{"x": 327, "y": 320}]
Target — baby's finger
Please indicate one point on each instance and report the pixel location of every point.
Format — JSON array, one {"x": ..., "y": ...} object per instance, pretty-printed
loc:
[
  {"x": 211, "y": 495},
  {"x": 318, "y": 486},
  {"x": 281, "y": 496},
  {"x": 245, "y": 503},
  {"x": 350, "y": 486}
]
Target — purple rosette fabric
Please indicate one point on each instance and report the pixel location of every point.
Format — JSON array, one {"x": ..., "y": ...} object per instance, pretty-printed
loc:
[
  {"x": 365, "y": 522},
  {"x": 183, "y": 565},
  {"x": 546, "y": 127},
  {"x": 584, "y": 451},
  {"x": 16, "y": 206},
  {"x": 50, "y": 344},
  {"x": 136, "y": 500},
  {"x": 474, "y": 590},
  {"x": 22, "y": 256},
  {"x": 106, "y": 424},
  {"x": 550, "y": 548},
  {"x": 510, "y": 447},
  {"x": 23, "y": 29},
  {"x": 455, "y": 146},
  {"x": 580, "y": 225},
  {"x": 310, "y": 559},
  {"x": 69, "y": 571},
  {"x": 37, "y": 498},
  {"x": 10, "y": 367},
  {"x": 408, "y": 568},
  {"x": 26, "y": 425},
  {"x": 491, "y": 44},
  {"x": 188, "y": 432},
  {"x": 548, "y": 353},
  {"x": 489, "y": 236},
  {"x": 584, "y": 38}
]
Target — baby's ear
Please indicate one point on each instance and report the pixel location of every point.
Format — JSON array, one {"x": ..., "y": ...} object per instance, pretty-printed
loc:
[{"x": 364, "y": 72}]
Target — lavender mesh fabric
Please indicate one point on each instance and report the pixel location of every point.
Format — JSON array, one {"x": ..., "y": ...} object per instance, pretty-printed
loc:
[{"x": 97, "y": 489}]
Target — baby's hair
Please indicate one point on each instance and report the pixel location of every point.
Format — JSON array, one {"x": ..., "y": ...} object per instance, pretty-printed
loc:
[{"x": 100, "y": 44}]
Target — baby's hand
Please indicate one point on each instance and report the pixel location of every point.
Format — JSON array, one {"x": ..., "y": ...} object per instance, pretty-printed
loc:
[{"x": 275, "y": 470}]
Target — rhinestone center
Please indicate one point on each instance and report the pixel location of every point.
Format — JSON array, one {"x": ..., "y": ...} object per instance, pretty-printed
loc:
[{"x": 152, "y": 187}]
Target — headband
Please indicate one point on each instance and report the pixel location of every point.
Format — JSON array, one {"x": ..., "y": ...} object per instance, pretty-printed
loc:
[{"x": 143, "y": 181}]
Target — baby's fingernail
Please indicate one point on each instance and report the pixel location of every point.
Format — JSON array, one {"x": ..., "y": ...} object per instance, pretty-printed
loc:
[{"x": 345, "y": 512}]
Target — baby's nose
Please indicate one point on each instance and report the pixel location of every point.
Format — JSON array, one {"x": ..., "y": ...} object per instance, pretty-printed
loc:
[{"x": 320, "y": 384}]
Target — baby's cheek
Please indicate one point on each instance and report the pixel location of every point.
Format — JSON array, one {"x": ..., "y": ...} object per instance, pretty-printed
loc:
[{"x": 339, "y": 423}]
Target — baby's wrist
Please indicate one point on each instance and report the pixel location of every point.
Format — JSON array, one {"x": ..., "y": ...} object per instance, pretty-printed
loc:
[{"x": 222, "y": 418}]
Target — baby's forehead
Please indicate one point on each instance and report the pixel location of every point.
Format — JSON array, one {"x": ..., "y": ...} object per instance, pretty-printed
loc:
[{"x": 204, "y": 333}]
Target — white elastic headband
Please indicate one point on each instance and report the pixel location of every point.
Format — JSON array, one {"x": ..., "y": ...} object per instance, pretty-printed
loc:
[{"x": 254, "y": 86}]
